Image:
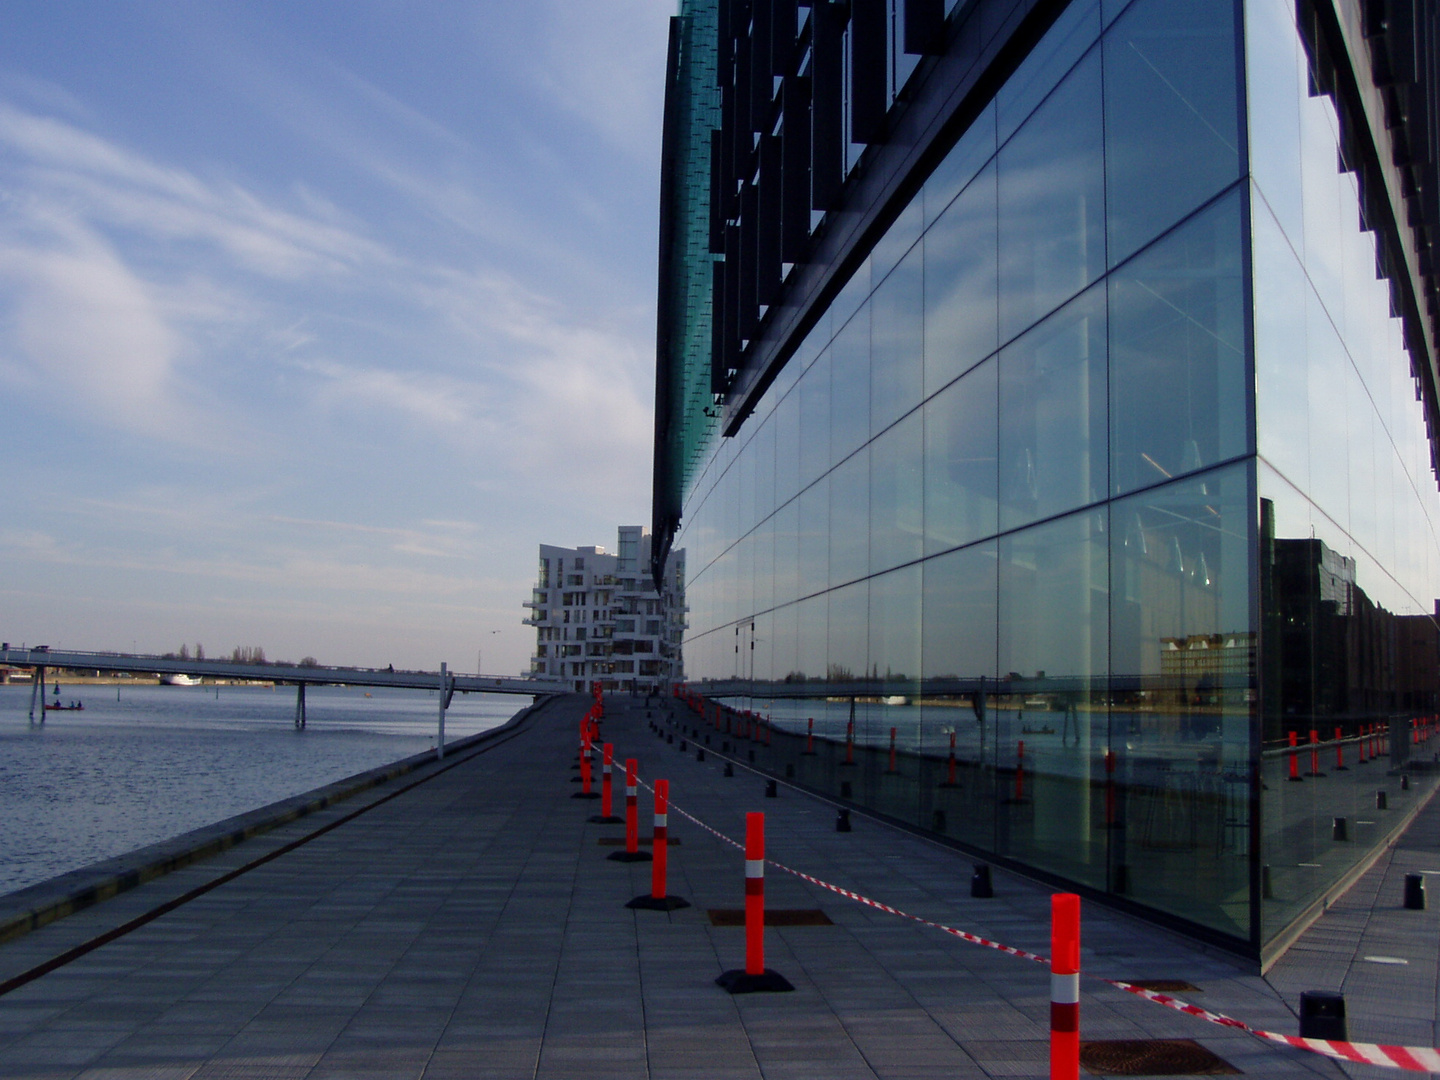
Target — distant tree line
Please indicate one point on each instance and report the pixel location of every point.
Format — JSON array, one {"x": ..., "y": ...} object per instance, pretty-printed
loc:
[{"x": 241, "y": 654}]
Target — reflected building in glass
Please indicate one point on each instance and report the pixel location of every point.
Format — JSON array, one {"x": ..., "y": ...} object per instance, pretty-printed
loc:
[{"x": 1045, "y": 401}]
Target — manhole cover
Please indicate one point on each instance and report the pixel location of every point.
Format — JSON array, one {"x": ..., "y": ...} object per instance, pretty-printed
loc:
[
  {"x": 773, "y": 917},
  {"x": 1152, "y": 1057},
  {"x": 1164, "y": 986}
]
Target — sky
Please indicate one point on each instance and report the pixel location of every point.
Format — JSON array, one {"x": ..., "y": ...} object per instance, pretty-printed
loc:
[{"x": 316, "y": 319}]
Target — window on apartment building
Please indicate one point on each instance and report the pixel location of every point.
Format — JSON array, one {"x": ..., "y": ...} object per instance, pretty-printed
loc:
[
  {"x": 540, "y": 650},
  {"x": 579, "y": 633},
  {"x": 644, "y": 646},
  {"x": 624, "y": 667},
  {"x": 652, "y": 627}
]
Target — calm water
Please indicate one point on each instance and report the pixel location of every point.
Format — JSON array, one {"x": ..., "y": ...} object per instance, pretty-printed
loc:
[{"x": 162, "y": 760}]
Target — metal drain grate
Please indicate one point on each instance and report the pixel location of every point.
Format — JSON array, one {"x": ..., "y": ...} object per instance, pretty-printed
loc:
[
  {"x": 1165, "y": 986},
  {"x": 773, "y": 917},
  {"x": 1152, "y": 1057}
]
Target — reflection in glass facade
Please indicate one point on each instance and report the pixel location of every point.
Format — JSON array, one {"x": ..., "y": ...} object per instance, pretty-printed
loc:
[{"x": 1101, "y": 476}]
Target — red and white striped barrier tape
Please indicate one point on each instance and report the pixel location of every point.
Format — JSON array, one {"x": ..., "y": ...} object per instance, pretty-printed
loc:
[{"x": 1412, "y": 1058}]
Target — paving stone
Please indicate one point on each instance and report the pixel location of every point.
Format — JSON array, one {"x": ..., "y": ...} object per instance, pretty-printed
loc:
[{"x": 472, "y": 927}]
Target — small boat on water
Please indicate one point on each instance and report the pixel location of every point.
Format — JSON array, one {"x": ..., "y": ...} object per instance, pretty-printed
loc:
[
  {"x": 74, "y": 706},
  {"x": 179, "y": 680}
]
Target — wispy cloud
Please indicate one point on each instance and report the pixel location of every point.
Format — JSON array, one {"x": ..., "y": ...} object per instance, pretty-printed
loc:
[{"x": 375, "y": 346}]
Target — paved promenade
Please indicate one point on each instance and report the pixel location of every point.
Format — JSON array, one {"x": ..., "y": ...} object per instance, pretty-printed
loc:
[{"x": 471, "y": 926}]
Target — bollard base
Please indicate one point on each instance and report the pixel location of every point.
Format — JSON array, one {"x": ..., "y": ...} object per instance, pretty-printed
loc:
[
  {"x": 663, "y": 903},
  {"x": 586, "y": 795},
  {"x": 741, "y": 982},
  {"x": 629, "y": 856},
  {"x": 601, "y": 819}
]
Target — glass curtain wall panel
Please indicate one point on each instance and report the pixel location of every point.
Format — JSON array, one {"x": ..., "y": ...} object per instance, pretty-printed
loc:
[
  {"x": 1348, "y": 510},
  {"x": 983, "y": 557}
]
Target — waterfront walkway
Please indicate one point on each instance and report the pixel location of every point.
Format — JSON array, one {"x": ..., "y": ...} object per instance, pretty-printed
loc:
[{"x": 471, "y": 926}]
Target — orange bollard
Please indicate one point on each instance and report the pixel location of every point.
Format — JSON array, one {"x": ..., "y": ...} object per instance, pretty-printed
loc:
[
  {"x": 754, "y": 893},
  {"x": 1339, "y": 753},
  {"x": 850, "y": 743},
  {"x": 1314, "y": 754},
  {"x": 1294, "y": 777},
  {"x": 950, "y": 765},
  {"x": 810, "y": 737},
  {"x": 659, "y": 899},
  {"x": 632, "y": 810},
  {"x": 755, "y": 976},
  {"x": 606, "y": 795},
  {"x": 586, "y": 785},
  {"x": 1064, "y": 986},
  {"x": 892, "y": 751},
  {"x": 660, "y": 846},
  {"x": 632, "y": 852},
  {"x": 607, "y": 813}
]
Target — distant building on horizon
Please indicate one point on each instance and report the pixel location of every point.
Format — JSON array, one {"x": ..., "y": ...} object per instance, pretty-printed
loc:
[{"x": 598, "y": 616}]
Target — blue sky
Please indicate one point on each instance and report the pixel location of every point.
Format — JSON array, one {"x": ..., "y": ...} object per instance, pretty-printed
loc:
[{"x": 317, "y": 318}]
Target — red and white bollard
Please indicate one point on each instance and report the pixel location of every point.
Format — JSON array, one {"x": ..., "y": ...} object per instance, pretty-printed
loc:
[
  {"x": 1314, "y": 754},
  {"x": 950, "y": 765},
  {"x": 850, "y": 743},
  {"x": 1064, "y": 986},
  {"x": 660, "y": 849},
  {"x": 754, "y": 976},
  {"x": 891, "y": 769},
  {"x": 632, "y": 852},
  {"x": 810, "y": 736},
  {"x": 1294, "y": 776},
  {"x": 607, "y": 802},
  {"x": 1340, "y": 752},
  {"x": 659, "y": 899},
  {"x": 754, "y": 894}
]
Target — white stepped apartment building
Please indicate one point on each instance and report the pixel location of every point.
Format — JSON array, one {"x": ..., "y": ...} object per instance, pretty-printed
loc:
[{"x": 598, "y": 616}]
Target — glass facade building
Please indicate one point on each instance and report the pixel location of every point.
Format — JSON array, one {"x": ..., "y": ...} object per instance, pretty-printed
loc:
[{"x": 1066, "y": 465}]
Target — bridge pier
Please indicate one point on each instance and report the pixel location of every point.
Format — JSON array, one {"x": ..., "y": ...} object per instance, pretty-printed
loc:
[
  {"x": 299, "y": 706},
  {"x": 37, "y": 692}
]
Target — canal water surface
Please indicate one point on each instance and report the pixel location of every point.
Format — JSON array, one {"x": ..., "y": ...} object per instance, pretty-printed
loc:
[{"x": 143, "y": 763}]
